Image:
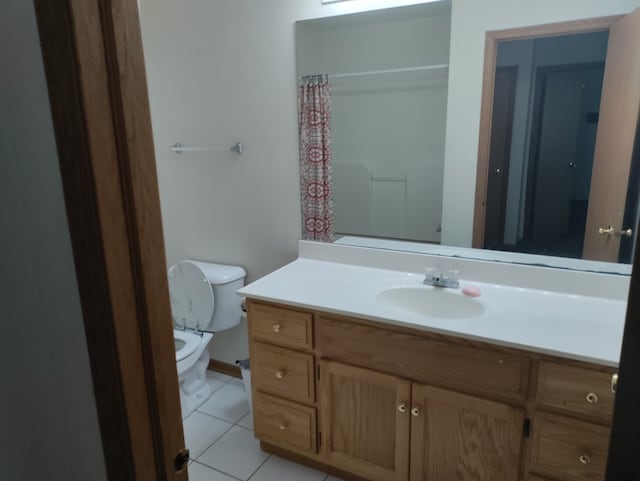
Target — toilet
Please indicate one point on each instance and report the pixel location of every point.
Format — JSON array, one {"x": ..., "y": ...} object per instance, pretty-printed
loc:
[{"x": 204, "y": 300}]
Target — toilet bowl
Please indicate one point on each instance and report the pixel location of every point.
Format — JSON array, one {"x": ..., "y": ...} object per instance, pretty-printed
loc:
[{"x": 204, "y": 300}]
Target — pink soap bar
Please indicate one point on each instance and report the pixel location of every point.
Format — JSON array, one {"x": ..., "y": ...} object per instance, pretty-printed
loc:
[{"x": 471, "y": 291}]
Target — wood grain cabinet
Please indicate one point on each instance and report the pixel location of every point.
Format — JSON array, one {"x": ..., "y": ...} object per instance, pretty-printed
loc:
[
  {"x": 455, "y": 437},
  {"x": 369, "y": 401},
  {"x": 365, "y": 421}
]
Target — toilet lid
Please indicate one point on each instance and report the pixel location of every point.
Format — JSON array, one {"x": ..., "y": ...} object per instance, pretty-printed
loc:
[{"x": 191, "y": 295}]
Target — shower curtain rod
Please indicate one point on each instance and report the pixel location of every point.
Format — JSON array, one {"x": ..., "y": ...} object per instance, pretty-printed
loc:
[{"x": 394, "y": 70}]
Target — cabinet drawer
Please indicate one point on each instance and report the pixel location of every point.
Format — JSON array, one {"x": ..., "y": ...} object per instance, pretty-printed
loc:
[
  {"x": 576, "y": 390},
  {"x": 281, "y": 326},
  {"x": 441, "y": 363},
  {"x": 569, "y": 449},
  {"x": 284, "y": 423},
  {"x": 283, "y": 372}
]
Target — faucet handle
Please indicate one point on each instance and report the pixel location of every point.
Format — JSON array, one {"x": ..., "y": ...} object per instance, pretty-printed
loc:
[
  {"x": 430, "y": 271},
  {"x": 453, "y": 274}
]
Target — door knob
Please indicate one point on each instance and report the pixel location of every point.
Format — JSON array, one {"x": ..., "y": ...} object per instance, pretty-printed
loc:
[
  {"x": 496, "y": 172},
  {"x": 592, "y": 398},
  {"x": 625, "y": 233},
  {"x": 573, "y": 165},
  {"x": 276, "y": 328},
  {"x": 585, "y": 459},
  {"x": 606, "y": 230},
  {"x": 415, "y": 411},
  {"x": 280, "y": 373},
  {"x": 402, "y": 407}
]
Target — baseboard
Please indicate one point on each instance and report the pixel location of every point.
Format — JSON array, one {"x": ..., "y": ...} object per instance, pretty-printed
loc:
[{"x": 224, "y": 368}]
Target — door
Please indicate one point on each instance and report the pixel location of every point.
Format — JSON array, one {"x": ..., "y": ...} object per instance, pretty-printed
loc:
[
  {"x": 92, "y": 52},
  {"x": 500, "y": 155},
  {"x": 617, "y": 128},
  {"x": 455, "y": 437},
  {"x": 365, "y": 421},
  {"x": 556, "y": 153}
]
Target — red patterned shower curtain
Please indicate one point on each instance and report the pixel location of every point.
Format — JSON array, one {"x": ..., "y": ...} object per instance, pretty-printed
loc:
[{"x": 316, "y": 177}]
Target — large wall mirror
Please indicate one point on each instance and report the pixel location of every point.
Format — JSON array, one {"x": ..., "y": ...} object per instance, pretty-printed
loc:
[{"x": 555, "y": 175}]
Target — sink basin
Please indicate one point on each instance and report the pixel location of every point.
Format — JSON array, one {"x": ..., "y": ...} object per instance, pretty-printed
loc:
[{"x": 439, "y": 303}]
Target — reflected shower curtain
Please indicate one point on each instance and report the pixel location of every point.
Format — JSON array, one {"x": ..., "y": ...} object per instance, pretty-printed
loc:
[{"x": 316, "y": 177}]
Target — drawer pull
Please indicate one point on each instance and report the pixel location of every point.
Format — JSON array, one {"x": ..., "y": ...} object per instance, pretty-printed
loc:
[
  {"x": 276, "y": 327},
  {"x": 280, "y": 373},
  {"x": 592, "y": 398},
  {"x": 415, "y": 411},
  {"x": 585, "y": 459},
  {"x": 283, "y": 425},
  {"x": 614, "y": 383},
  {"x": 402, "y": 407}
]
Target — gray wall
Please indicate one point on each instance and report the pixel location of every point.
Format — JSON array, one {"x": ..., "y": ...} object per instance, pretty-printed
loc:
[{"x": 48, "y": 422}]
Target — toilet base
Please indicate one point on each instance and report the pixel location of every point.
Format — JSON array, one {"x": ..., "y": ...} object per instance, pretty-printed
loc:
[{"x": 194, "y": 388}]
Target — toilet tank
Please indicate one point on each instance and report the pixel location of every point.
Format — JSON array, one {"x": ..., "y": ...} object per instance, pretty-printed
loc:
[{"x": 225, "y": 281}]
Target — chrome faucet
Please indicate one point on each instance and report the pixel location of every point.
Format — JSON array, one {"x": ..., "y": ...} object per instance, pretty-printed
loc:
[{"x": 439, "y": 279}]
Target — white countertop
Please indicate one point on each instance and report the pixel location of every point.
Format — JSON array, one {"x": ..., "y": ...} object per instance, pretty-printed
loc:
[{"x": 573, "y": 326}]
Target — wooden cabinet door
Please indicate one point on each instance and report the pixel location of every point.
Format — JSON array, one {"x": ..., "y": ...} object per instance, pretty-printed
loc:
[
  {"x": 455, "y": 437},
  {"x": 365, "y": 421}
]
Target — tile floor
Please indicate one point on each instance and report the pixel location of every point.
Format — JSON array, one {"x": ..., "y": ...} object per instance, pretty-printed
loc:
[{"x": 219, "y": 435}]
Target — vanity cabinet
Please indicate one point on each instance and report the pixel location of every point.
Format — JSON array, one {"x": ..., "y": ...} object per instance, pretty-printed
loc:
[
  {"x": 283, "y": 377},
  {"x": 357, "y": 405},
  {"x": 572, "y": 425},
  {"x": 372, "y": 401},
  {"x": 460, "y": 437}
]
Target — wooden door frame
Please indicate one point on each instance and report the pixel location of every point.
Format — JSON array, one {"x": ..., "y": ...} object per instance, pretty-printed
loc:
[
  {"x": 92, "y": 52},
  {"x": 490, "y": 62}
]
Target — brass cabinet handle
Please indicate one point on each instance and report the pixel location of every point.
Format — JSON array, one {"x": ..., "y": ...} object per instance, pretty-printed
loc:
[
  {"x": 614, "y": 383},
  {"x": 283, "y": 425},
  {"x": 592, "y": 398},
  {"x": 585, "y": 459},
  {"x": 276, "y": 327},
  {"x": 280, "y": 373},
  {"x": 606, "y": 230},
  {"x": 402, "y": 407},
  {"x": 415, "y": 411}
]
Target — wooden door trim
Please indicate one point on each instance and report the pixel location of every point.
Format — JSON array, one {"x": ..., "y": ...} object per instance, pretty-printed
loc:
[
  {"x": 491, "y": 48},
  {"x": 92, "y": 51}
]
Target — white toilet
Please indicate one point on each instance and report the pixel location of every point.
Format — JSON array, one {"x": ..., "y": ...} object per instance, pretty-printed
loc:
[{"x": 204, "y": 300}]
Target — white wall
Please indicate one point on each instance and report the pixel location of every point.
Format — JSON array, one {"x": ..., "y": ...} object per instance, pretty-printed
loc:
[
  {"x": 218, "y": 72},
  {"x": 49, "y": 426},
  {"x": 470, "y": 20}
]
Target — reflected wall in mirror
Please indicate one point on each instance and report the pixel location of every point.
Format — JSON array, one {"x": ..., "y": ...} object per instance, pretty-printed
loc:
[
  {"x": 562, "y": 130},
  {"x": 388, "y": 75},
  {"x": 406, "y": 94}
]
